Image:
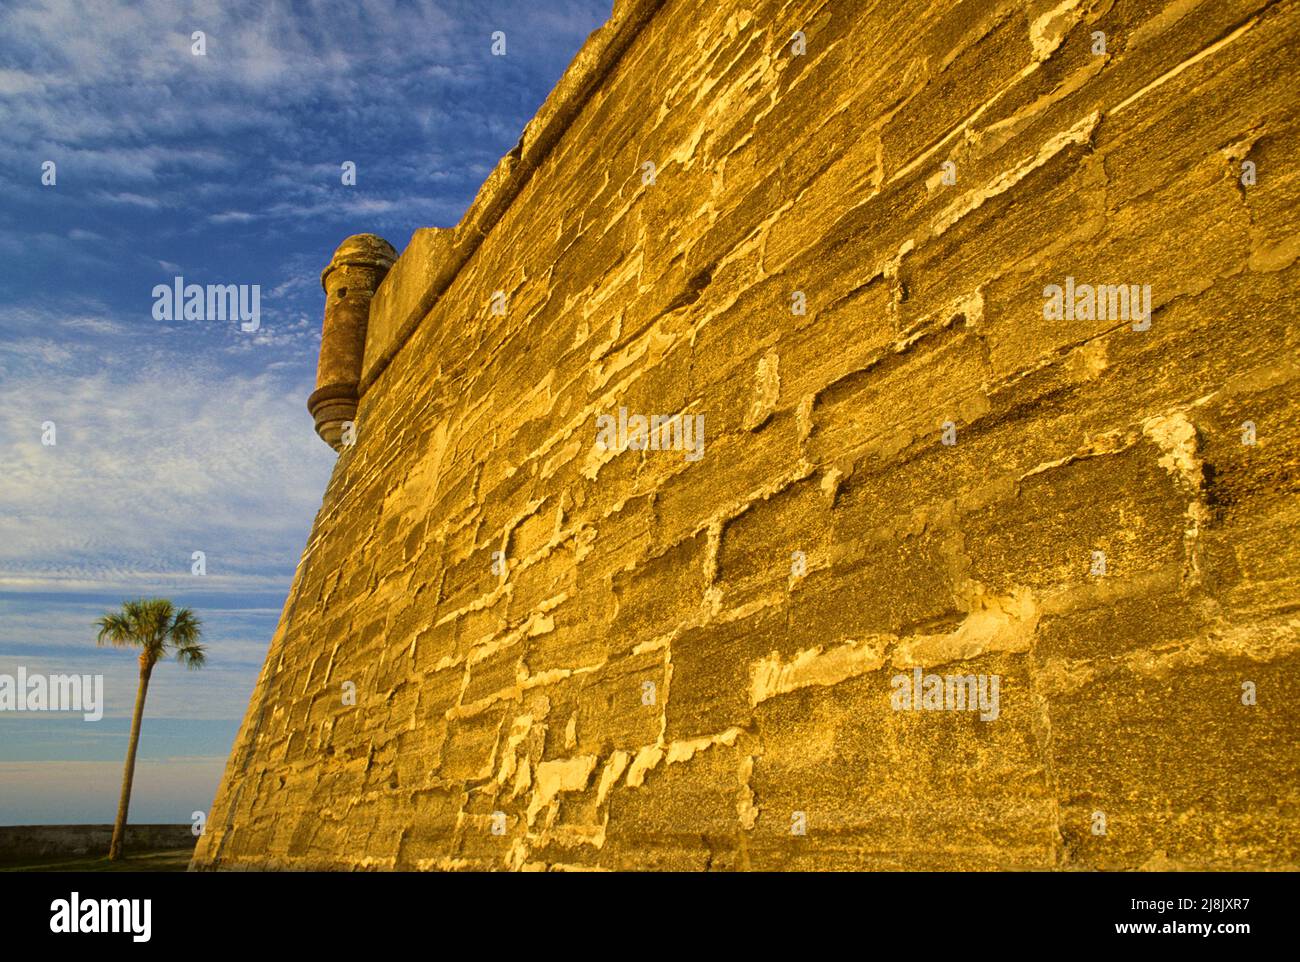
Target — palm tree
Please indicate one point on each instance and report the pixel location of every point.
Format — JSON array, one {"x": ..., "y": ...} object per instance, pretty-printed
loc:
[{"x": 155, "y": 627}]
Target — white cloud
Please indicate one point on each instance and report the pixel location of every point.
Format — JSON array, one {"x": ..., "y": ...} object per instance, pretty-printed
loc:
[
  {"x": 16, "y": 82},
  {"x": 156, "y": 457},
  {"x": 39, "y": 349},
  {"x": 126, "y": 197},
  {"x": 122, "y": 97}
]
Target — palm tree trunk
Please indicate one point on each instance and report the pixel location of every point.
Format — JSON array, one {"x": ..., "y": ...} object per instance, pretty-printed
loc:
[{"x": 128, "y": 775}]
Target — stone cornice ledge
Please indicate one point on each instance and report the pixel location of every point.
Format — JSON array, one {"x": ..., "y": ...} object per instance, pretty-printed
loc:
[{"x": 435, "y": 255}]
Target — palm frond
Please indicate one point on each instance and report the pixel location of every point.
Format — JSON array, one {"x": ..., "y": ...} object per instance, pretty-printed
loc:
[
  {"x": 116, "y": 629},
  {"x": 192, "y": 656},
  {"x": 184, "y": 629}
]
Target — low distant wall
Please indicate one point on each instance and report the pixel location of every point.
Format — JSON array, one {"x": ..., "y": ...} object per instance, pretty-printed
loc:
[{"x": 38, "y": 841}]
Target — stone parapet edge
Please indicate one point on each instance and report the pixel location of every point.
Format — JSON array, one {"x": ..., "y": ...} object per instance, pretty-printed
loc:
[{"x": 583, "y": 77}]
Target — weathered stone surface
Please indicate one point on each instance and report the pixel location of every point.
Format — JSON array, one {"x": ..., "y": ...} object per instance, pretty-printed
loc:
[{"x": 567, "y": 653}]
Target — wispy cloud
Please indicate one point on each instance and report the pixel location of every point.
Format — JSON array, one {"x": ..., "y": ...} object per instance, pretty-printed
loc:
[{"x": 150, "y": 463}]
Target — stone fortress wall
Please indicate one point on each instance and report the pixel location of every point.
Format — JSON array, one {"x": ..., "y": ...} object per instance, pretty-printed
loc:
[{"x": 514, "y": 641}]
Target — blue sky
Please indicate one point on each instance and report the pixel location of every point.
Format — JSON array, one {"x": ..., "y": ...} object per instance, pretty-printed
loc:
[{"x": 177, "y": 436}]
